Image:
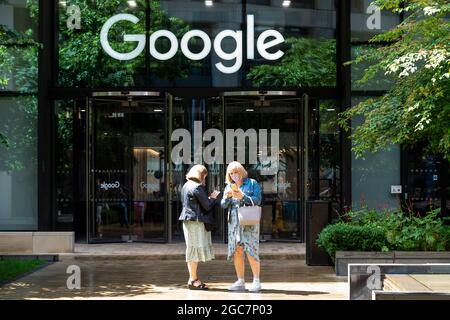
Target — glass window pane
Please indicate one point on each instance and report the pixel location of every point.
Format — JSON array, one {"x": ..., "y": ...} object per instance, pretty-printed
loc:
[
  {"x": 18, "y": 45},
  {"x": 18, "y": 164},
  {"x": 373, "y": 176},
  {"x": 82, "y": 61},
  {"x": 424, "y": 180},
  {"x": 309, "y": 59},
  {"x": 142, "y": 47},
  {"x": 329, "y": 150},
  {"x": 380, "y": 82},
  {"x": 367, "y": 22},
  {"x": 181, "y": 17}
]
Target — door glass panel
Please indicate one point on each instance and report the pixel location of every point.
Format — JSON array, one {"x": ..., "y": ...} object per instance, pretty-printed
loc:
[
  {"x": 281, "y": 217},
  {"x": 127, "y": 169},
  {"x": 186, "y": 113}
]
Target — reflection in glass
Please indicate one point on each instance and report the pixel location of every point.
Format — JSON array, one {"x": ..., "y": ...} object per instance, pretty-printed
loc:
[
  {"x": 373, "y": 176},
  {"x": 18, "y": 45},
  {"x": 365, "y": 22},
  {"x": 310, "y": 48},
  {"x": 18, "y": 163}
]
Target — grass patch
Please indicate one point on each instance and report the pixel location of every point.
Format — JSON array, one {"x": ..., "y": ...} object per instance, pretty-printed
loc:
[{"x": 11, "y": 269}]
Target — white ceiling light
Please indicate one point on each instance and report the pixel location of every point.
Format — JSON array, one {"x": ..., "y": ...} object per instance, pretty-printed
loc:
[
  {"x": 286, "y": 3},
  {"x": 132, "y": 4},
  {"x": 208, "y": 3}
]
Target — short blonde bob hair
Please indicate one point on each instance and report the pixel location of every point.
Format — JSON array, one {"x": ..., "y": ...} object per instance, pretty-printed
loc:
[
  {"x": 197, "y": 172},
  {"x": 235, "y": 166}
]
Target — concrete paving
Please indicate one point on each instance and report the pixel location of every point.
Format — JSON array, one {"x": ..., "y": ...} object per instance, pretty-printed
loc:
[
  {"x": 158, "y": 271},
  {"x": 166, "y": 280}
]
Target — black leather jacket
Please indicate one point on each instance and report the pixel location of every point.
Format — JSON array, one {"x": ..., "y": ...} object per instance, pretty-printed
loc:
[{"x": 196, "y": 203}]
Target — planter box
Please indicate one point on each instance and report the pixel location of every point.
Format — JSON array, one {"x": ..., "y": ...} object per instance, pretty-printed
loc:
[
  {"x": 344, "y": 258},
  {"x": 362, "y": 287},
  {"x": 36, "y": 242}
]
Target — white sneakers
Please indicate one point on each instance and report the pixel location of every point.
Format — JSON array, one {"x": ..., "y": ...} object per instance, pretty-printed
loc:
[
  {"x": 255, "y": 287},
  {"x": 237, "y": 286},
  {"x": 240, "y": 286}
]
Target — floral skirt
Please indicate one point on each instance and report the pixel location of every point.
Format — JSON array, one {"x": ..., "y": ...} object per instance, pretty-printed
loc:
[
  {"x": 245, "y": 236},
  {"x": 198, "y": 242}
]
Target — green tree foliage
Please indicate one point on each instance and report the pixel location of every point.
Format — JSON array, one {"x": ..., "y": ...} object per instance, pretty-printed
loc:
[
  {"x": 416, "y": 109},
  {"x": 83, "y": 63},
  {"x": 306, "y": 63},
  {"x": 18, "y": 71}
]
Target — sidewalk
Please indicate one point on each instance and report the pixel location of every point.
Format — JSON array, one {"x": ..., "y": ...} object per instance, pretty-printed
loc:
[
  {"x": 158, "y": 271},
  {"x": 166, "y": 279}
]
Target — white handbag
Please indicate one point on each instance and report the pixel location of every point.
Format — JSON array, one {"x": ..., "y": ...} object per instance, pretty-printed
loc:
[{"x": 249, "y": 215}]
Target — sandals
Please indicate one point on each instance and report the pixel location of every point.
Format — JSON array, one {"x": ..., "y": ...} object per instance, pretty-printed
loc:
[{"x": 200, "y": 285}]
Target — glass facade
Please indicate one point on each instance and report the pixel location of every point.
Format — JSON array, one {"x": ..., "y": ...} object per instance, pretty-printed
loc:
[
  {"x": 125, "y": 75},
  {"x": 188, "y": 44},
  {"x": 18, "y": 115}
]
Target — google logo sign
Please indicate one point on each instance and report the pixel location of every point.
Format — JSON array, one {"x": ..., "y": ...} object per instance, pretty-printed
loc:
[{"x": 266, "y": 40}]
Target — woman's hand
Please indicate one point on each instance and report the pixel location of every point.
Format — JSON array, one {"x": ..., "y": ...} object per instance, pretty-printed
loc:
[
  {"x": 238, "y": 194},
  {"x": 229, "y": 193},
  {"x": 214, "y": 194}
]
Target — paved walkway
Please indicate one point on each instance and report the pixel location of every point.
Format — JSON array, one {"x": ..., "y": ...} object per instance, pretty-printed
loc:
[{"x": 165, "y": 279}]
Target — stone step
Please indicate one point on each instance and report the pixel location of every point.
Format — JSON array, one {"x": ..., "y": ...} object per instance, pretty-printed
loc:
[
  {"x": 171, "y": 256},
  {"x": 18, "y": 256}
]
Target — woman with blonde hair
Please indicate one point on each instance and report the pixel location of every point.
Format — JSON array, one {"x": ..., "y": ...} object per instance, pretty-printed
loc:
[
  {"x": 241, "y": 190},
  {"x": 195, "y": 214}
]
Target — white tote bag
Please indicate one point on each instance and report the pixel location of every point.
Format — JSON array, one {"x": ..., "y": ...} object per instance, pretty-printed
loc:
[{"x": 249, "y": 215}]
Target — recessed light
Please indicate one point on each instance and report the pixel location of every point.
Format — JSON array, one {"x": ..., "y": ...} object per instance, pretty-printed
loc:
[
  {"x": 249, "y": 110},
  {"x": 157, "y": 110},
  {"x": 286, "y": 3},
  {"x": 208, "y": 3},
  {"x": 331, "y": 110},
  {"x": 132, "y": 4}
]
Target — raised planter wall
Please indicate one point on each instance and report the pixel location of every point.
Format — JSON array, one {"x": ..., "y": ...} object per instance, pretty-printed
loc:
[
  {"x": 344, "y": 258},
  {"x": 360, "y": 287},
  {"x": 36, "y": 242}
]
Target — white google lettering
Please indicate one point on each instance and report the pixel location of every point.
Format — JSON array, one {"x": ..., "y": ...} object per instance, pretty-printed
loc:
[
  {"x": 262, "y": 43},
  {"x": 149, "y": 186},
  {"x": 107, "y": 186}
]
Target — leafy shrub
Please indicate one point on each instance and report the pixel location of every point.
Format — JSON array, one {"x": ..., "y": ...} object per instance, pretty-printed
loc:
[
  {"x": 369, "y": 230},
  {"x": 351, "y": 237}
]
